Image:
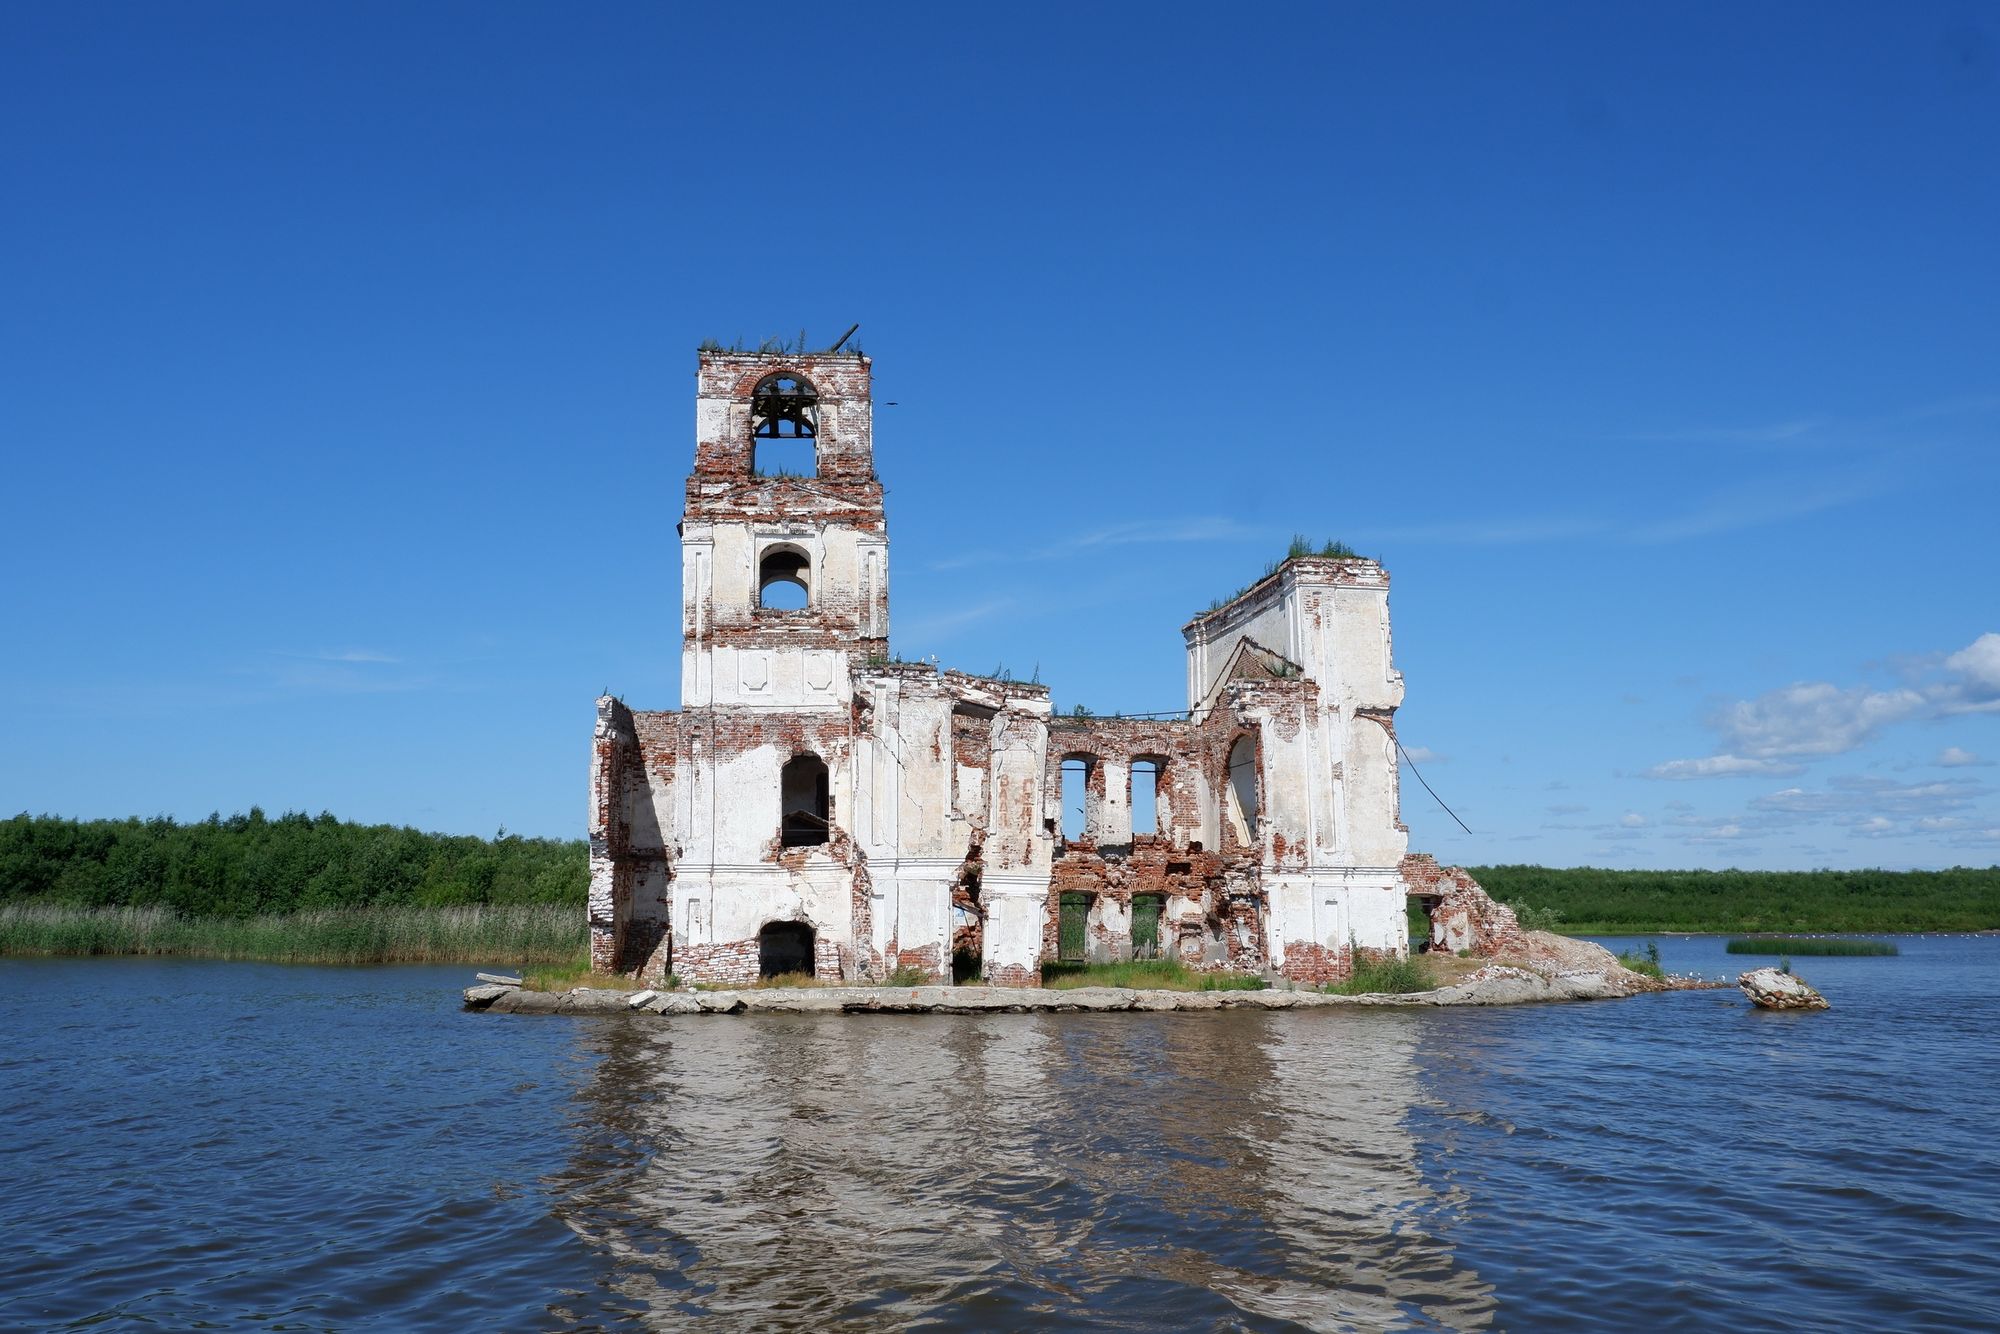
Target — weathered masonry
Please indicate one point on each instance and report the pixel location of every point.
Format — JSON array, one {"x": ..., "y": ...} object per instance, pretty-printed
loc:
[{"x": 816, "y": 805}]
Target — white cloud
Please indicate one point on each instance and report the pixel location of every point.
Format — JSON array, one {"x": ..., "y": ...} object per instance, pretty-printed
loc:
[
  {"x": 1811, "y": 718},
  {"x": 1425, "y": 755},
  {"x": 1723, "y": 766},
  {"x": 1977, "y": 665},
  {"x": 1770, "y": 733},
  {"x": 1957, "y": 757},
  {"x": 1632, "y": 820}
]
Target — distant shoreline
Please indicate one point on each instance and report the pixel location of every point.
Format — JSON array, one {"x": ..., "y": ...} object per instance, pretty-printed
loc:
[
  {"x": 1591, "y": 901},
  {"x": 302, "y": 888}
]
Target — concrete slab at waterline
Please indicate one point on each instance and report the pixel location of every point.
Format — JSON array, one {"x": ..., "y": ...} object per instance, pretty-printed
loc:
[{"x": 1498, "y": 986}]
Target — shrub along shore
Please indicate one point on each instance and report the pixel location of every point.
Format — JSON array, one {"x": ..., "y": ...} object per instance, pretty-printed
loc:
[
  {"x": 1589, "y": 901},
  {"x": 322, "y": 890}
]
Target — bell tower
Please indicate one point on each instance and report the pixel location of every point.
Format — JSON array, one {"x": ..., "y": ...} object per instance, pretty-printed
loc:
[{"x": 784, "y": 547}]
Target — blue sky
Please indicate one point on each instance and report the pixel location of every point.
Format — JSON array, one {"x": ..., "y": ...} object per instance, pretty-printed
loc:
[{"x": 347, "y": 354}]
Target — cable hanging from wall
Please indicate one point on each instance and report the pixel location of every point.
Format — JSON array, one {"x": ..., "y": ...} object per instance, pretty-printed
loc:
[{"x": 1427, "y": 787}]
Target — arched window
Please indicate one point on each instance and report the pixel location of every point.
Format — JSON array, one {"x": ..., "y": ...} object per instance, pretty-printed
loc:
[
  {"x": 784, "y": 426},
  {"x": 784, "y": 580},
  {"x": 1146, "y": 771},
  {"x": 1076, "y": 799},
  {"x": 784, "y": 406},
  {"x": 1243, "y": 789},
  {"x": 804, "y": 804}
]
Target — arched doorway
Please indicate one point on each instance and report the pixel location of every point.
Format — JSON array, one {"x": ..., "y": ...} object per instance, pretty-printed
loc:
[{"x": 784, "y": 947}]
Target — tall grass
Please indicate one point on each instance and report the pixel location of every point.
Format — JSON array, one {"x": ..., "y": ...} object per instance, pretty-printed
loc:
[
  {"x": 1373, "y": 977},
  {"x": 1788, "y": 945},
  {"x": 1154, "y": 974},
  {"x": 516, "y": 934},
  {"x": 1647, "y": 964}
]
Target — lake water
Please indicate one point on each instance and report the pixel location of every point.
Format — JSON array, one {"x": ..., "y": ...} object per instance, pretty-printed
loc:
[{"x": 187, "y": 1143}]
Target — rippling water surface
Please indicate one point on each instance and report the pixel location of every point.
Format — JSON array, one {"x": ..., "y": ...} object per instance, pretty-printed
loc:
[{"x": 189, "y": 1143}]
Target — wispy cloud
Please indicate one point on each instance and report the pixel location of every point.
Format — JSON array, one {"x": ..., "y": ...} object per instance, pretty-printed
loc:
[
  {"x": 1772, "y": 732},
  {"x": 1957, "y": 757},
  {"x": 341, "y": 655},
  {"x": 1723, "y": 766},
  {"x": 348, "y": 671},
  {"x": 1760, "y": 504},
  {"x": 1752, "y": 505},
  {"x": 1822, "y": 430},
  {"x": 1863, "y": 806},
  {"x": 1136, "y": 532},
  {"x": 921, "y": 626},
  {"x": 1774, "y": 433}
]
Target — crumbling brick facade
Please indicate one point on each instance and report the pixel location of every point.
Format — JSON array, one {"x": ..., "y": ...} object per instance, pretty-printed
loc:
[{"x": 816, "y": 805}]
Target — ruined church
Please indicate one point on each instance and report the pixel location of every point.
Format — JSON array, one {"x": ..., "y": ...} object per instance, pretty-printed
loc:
[{"x": 820, "y": 805}]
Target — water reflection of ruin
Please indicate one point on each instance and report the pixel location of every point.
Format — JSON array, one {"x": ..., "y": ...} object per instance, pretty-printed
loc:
[{"x": 992, "y": 1171}]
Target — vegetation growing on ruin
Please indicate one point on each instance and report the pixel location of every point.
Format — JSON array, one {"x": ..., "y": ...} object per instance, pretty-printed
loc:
[
  {"x": 1596, "y": 901},
  {"x": 1301, "y": 546},
  {"x": 510, "y": 935},
  {"x": 1789, "y": 945},
  {"x": 1154, "y": 974},
  {"x": 777, "y": 345}
]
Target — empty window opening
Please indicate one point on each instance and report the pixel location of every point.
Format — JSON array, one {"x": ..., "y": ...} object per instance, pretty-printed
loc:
[
  {"x": 785, "y": 947},
  {"x": 784, "y": 406},
  {"x": 804, "y": 806},
  {"x": 1072, "y": 928},
  {"x": 1145, "y": 796},
  {"x": 1075, "y": 795},
  {"x": 1423, "y": 927},
  {"x": 1243, "y": 788},
  {"x": 1146, "y": 925},
  {"x": 785, "y": 458},
  {"x": 784, "y": 580}
]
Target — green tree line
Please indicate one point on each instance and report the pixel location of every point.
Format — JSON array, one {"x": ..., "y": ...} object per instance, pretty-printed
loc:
[
  {"x": 1599, "y": 901},
  {"x": 249, "y": 865}
]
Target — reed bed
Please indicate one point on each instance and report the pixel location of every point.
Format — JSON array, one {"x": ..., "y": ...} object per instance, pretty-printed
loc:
[
  {"x": 1821, "y": 945},
  {"x": 1154, "y": 974},
  {"x": 517, "y": 934}
]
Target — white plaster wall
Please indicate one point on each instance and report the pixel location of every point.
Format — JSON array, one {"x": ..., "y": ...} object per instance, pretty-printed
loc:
[
  {"x": 743, "y": 899},
  {"x": 1019, "y": 849},
  {"x": 1371, "y": 909},
  {"x": 913, "y": 901},
  {"x": 1372, "y": 776},
  {"x": 697, "y": 583},
  {"x": 1108, "y": 819},
  {"x": 1015, "y": 907},
  {"x": 1362, "y": 906},
  {"x": 1114, "y": 919}
]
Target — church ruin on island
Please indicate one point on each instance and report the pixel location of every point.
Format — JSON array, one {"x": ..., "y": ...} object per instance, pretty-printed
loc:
[{"x": 820, "y": 805}]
